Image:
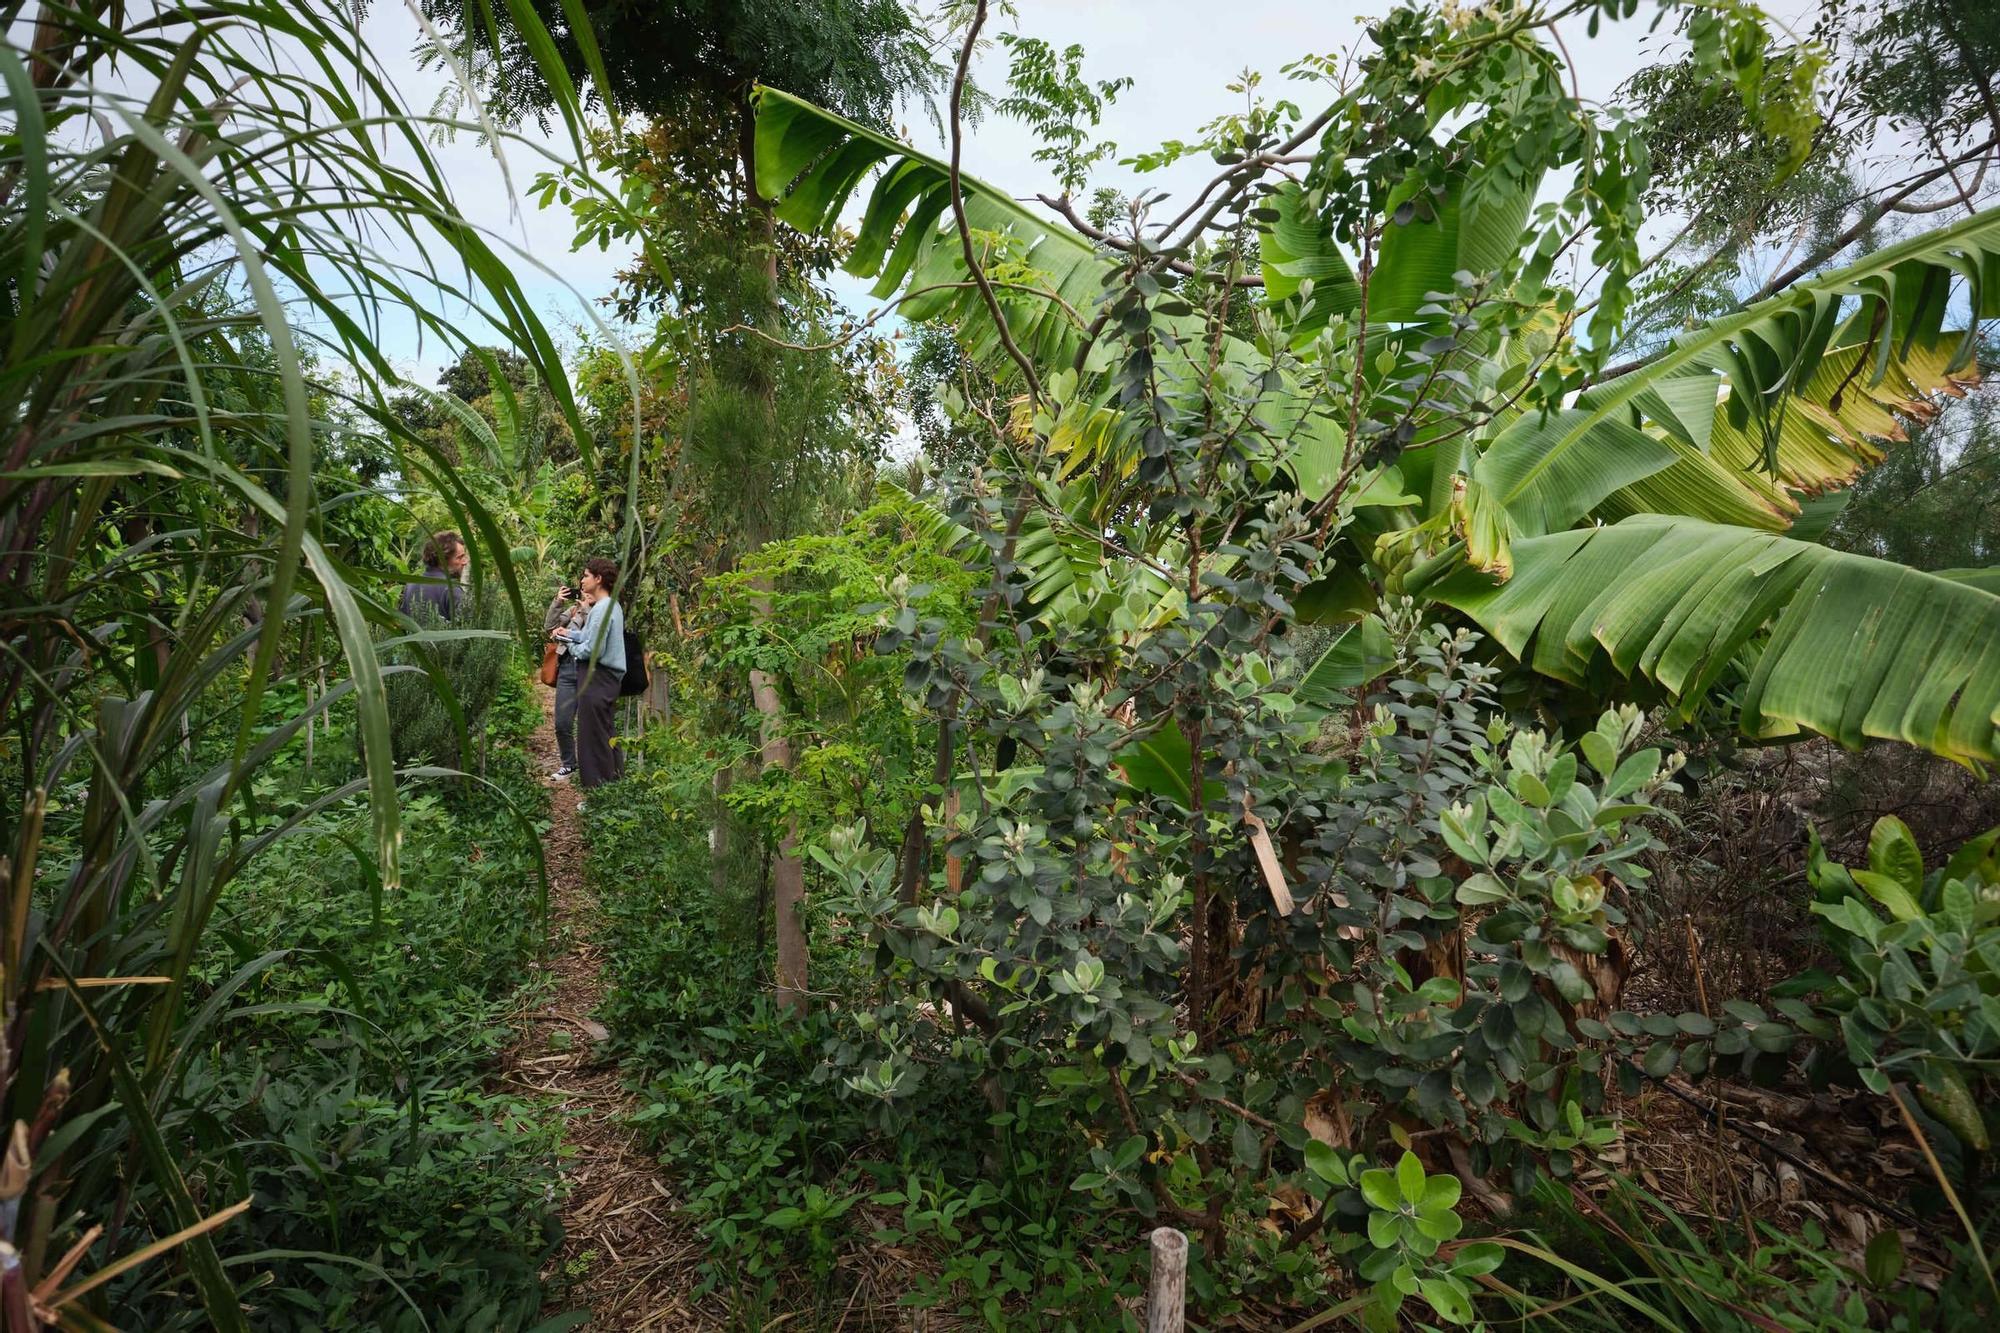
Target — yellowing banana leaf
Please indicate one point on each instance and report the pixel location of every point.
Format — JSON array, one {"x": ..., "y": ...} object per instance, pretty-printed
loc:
[
  {"x": 1857, "y": 648},
  {"x": 1802, "y": 413}
]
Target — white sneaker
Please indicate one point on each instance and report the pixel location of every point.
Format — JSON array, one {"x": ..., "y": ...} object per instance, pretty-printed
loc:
[{"x": 561, "y": 774}]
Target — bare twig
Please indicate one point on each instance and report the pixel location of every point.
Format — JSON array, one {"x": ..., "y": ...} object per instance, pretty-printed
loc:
[
  {"x": 1575, "y": 91},
  {"x": 1229, "y": 1106},
  {"x": 1062, "y": 205},
  {"x": 911, "y": 295},
  {"x": 958, "y": 212}
]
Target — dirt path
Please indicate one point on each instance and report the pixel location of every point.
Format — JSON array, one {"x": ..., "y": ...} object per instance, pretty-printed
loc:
[{"x": 627, "y": 1254}]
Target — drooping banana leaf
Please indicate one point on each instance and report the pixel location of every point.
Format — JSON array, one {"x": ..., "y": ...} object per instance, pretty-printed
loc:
[
  {"x": 1805, "y": 412},
  {"x": 1720, "y": 475},
  {"x": 813, "y": 162},
  {"x": 1857, "y": 648}
]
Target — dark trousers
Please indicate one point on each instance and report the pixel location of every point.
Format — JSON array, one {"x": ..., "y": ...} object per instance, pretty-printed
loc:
[
  {"x": 566, "y": 686},
  {"x": 596, "y": 723}
]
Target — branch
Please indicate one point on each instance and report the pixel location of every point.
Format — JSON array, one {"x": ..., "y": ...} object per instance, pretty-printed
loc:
[
  {"x": 1283, "y": 153},
  {"x": 1227, "y": 1105},
  {"x": 1964, "y": 195},
  {"x": 911, "y": 295},
  {"x": 965, "y": 228},
  {"x": 1069, "y": 214},
  {"x": 1869, "y": 217}
]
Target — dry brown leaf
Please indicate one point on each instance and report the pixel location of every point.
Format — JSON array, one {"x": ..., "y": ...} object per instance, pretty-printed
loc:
[{"x": 1326, "y": 1119}]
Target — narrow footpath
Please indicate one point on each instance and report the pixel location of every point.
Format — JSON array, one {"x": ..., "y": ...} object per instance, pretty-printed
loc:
[{"x": 627, "y": 1255}]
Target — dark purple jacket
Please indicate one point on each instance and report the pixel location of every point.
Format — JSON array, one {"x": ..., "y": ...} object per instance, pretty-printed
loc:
[{"x": 440, "y": 593}]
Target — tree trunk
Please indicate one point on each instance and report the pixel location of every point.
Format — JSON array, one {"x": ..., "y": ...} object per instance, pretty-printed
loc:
[
  {"x": 787, "y": 870},
  {"x": 788, "y": 880},
  {"x": 718, "y": 833}
]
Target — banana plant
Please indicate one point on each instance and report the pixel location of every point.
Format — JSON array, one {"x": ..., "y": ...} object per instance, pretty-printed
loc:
[{"x": 1628, "y": 523}]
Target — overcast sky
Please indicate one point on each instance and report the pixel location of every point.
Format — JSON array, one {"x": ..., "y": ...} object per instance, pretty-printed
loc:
[{"x": 1182, "y": 53}]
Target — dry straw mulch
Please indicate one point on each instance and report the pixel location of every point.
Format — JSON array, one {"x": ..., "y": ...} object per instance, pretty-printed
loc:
[{"x": 628, "y": 1255}]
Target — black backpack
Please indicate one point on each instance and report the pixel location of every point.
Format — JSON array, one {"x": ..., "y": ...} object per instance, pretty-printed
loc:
[{"x": 635, "y": 681}]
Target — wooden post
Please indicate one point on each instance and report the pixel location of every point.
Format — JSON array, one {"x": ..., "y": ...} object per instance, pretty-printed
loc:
[
  {"x": 657, "y": 700},
  {"x": 1166, "y": 1294}
]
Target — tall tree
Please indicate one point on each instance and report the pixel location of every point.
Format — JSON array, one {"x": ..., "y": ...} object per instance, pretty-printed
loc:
[
  {"x": 1907, "y": 128},
  {"x": 691, "y": 68}
]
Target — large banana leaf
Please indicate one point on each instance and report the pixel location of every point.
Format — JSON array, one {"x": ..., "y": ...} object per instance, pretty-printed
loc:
[
  {"x": 1761, "y": 387},
  {"x": 813, "y": 162},
  {"x": 1419, "y": 255},
  {"x": 1060, "y": 559},
  {"x": 1295, "y": 246},
  {"x": 1858, "y": 647},
  {"x": 1719, "y": 473}
]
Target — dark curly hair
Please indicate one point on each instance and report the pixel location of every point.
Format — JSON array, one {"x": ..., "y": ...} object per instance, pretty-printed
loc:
[
  {"x": 607, "y": 573},
  {"x": 440, "y": 548}
]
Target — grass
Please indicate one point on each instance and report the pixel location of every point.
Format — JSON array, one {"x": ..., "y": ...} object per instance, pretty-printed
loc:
[{"x": 348, "y": 1089}]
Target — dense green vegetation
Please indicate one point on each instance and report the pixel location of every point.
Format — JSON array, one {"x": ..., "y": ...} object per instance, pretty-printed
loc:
[{"x": 1391, "y": 726}]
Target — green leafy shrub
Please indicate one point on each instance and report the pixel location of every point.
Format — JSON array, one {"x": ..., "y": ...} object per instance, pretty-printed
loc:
[
  {"x": 787, "y": 1172},
  {"x": 346, "y": 1096},
  {"x": 1465, "y": 878},
  {"x": 423, "y": 723},
  {"x": 1915, "y": 990}
]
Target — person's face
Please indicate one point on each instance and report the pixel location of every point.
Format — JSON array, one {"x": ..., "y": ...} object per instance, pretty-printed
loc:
[
  {"x": 590, "y": 584},
  {"x": 458, "y": 560}
]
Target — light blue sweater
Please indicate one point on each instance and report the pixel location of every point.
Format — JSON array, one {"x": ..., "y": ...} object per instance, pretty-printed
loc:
[{"x": 598, "y": 640}]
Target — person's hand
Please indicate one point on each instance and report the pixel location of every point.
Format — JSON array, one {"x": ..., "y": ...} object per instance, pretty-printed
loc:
[
  {"x": 567, "y": 593},
  {"x": 559, "y": 632}
]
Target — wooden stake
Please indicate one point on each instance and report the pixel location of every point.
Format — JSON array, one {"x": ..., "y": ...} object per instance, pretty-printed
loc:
[
  {"x": 1267, "y": 860},
  {"x": 1166, "y": 1294}
]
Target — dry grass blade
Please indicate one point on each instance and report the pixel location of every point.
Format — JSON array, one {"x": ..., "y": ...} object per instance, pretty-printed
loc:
[{"x": 130, "y": 1261}]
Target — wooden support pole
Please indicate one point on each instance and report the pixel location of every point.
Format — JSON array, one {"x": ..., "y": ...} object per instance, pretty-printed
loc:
[{"x": 1166, "y": 1294}]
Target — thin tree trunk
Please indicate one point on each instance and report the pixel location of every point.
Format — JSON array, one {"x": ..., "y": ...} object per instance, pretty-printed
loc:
[
  {"x": 788, "y": 884},
  {"x": 787, "y": 870},
  {"x": 763, "y": 905},
  {"x": 718, "y": 832}
]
